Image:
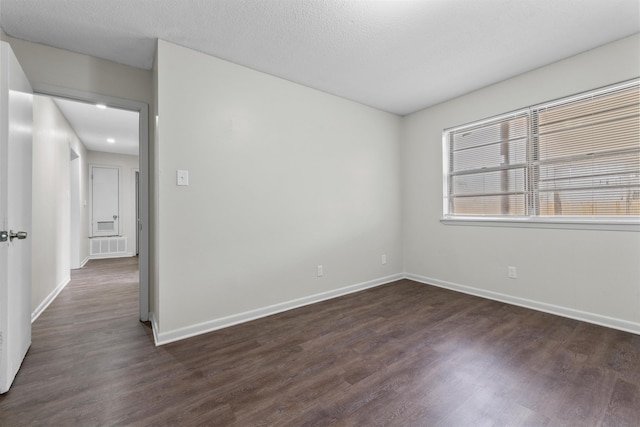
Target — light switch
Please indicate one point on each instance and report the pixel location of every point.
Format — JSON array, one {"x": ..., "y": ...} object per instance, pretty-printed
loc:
[{"x": 182, "y": 177}]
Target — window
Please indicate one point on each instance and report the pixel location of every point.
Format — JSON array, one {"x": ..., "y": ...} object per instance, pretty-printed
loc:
[{"x": 574, "y": 159}]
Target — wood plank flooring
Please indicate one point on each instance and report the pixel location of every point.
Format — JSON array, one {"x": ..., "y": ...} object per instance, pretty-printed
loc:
[{"x": 403, "y": 354}]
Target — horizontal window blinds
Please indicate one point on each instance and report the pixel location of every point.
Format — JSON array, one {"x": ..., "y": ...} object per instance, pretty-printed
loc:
[
  {"x": 488, "y": 167},
  {"x": 578, "y": 157},
  {"x": 588, "y": 160}
]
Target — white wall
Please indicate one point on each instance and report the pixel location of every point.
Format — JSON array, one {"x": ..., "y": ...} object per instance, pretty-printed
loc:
[
  {"x": 52, "y": 140},
  {"x": 590, "y": 274},
  {"x": 127, "y": 165},
  {"x": 282, "y": 178}
]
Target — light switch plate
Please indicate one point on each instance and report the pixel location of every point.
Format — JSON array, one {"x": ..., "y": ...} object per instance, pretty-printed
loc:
[{"x": 182, "y": 177}]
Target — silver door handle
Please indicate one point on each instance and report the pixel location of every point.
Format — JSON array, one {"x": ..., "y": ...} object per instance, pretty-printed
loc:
[
  {"x": 4, "y": 236},
  {"x": 20, "y": 235},
  {"x": 115, "y": 217}
]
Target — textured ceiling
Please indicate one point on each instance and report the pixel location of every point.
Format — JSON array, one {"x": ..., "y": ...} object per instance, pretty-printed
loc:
[
  {"x": 94, "y": 126},
  {"x": 398, "y": 56}
]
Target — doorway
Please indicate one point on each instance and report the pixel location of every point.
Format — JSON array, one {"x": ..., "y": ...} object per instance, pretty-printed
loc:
[{"x": 139, "y": 227}]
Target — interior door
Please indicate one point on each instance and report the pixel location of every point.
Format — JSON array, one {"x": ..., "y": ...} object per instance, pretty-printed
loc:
[
  {"x": 16, "y": 130},
  {"x": 105, "y": 198}
]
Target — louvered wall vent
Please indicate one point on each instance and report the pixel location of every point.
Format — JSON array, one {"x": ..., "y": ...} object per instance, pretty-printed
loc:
[{"x": 108, "y": 246}]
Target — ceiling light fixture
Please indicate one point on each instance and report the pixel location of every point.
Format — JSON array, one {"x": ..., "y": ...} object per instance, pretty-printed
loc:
[
  {"x": 111, "y": 140},
  {"x": 101, "y": 106}
]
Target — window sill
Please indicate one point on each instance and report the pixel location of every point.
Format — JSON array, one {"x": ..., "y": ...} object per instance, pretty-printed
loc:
[{"x": 564, "y": 223}]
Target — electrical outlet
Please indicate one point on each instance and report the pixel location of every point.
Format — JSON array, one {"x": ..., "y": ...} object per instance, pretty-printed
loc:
[
  {"x": 383, "y": 259},
  {"x": 320, "y": 271},
  {"x": 182, "y": 177},
  {"x": 511, "y": 272}
]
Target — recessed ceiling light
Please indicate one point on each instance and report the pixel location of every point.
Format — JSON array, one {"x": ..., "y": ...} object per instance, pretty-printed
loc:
[
  {"x": 101, "y": 106},
  {"x": 111, "y": 140}
]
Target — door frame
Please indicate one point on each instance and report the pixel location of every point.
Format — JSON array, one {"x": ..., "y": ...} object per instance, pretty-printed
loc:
[
  {"x": 74, "y": 211},
  {"x": 143, "y": 156},
  {"x": 136, "y": 207}
]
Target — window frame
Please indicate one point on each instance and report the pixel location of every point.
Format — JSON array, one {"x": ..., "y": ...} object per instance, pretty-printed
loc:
[{"x": 531, "y": 220}]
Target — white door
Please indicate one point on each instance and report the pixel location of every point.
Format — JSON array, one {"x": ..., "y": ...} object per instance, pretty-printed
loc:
[
  {"x": 16, "y": 129},
  {"x": 105, "y": 197}
]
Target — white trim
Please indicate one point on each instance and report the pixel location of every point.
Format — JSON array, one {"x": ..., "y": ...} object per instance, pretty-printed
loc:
[
  {"x": 154, "y": 327},
  {"x": 162, "y": 338},
  {"x": 49, "y": 299},
  {"x": 143, "y": 200},
  {"x": 75, "y": 209},
  {"x": 531, "y": 222},
  {"x": 234, "y": 319},
  {"x": 135, "y": 202},
  {"x": 84, "y": 262},
  {"x": 609, "y": 322},
  {"x": 112, "y": 255}
]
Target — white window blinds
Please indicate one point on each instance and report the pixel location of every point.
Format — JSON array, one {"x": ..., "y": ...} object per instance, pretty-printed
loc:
[
  {"x": 488, "y": 167},
  {"x": 577, "y": 157}
]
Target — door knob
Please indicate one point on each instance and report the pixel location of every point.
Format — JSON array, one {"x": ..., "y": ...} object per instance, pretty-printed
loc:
[
  {"x": 4, "y": 236},
  {"x": 20, "y": 235}
]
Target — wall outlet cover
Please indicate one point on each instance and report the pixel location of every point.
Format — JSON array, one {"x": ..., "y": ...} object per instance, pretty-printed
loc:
[{"x": 182, "y": 177}]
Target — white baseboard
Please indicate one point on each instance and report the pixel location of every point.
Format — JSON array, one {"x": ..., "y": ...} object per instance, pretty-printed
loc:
[
  {"x": 49, "y": 299},
  {"x": 598, "y": 319},
  {"x": 223, "y": 322},
  {"x": 161, "y": 338},
  {"x": 111, "y": 255},
  {"x": 154, "y": 327},
  {"x": 84, "y": 262}
]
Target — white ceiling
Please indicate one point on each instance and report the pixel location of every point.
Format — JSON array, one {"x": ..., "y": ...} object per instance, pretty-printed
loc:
[
  {"x": 398, "y": 56},
  {"x": 95, "y": 126}
]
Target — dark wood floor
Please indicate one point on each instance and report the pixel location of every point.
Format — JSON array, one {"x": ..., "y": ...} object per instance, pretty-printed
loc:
[{"x": 402, "y": 354}]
